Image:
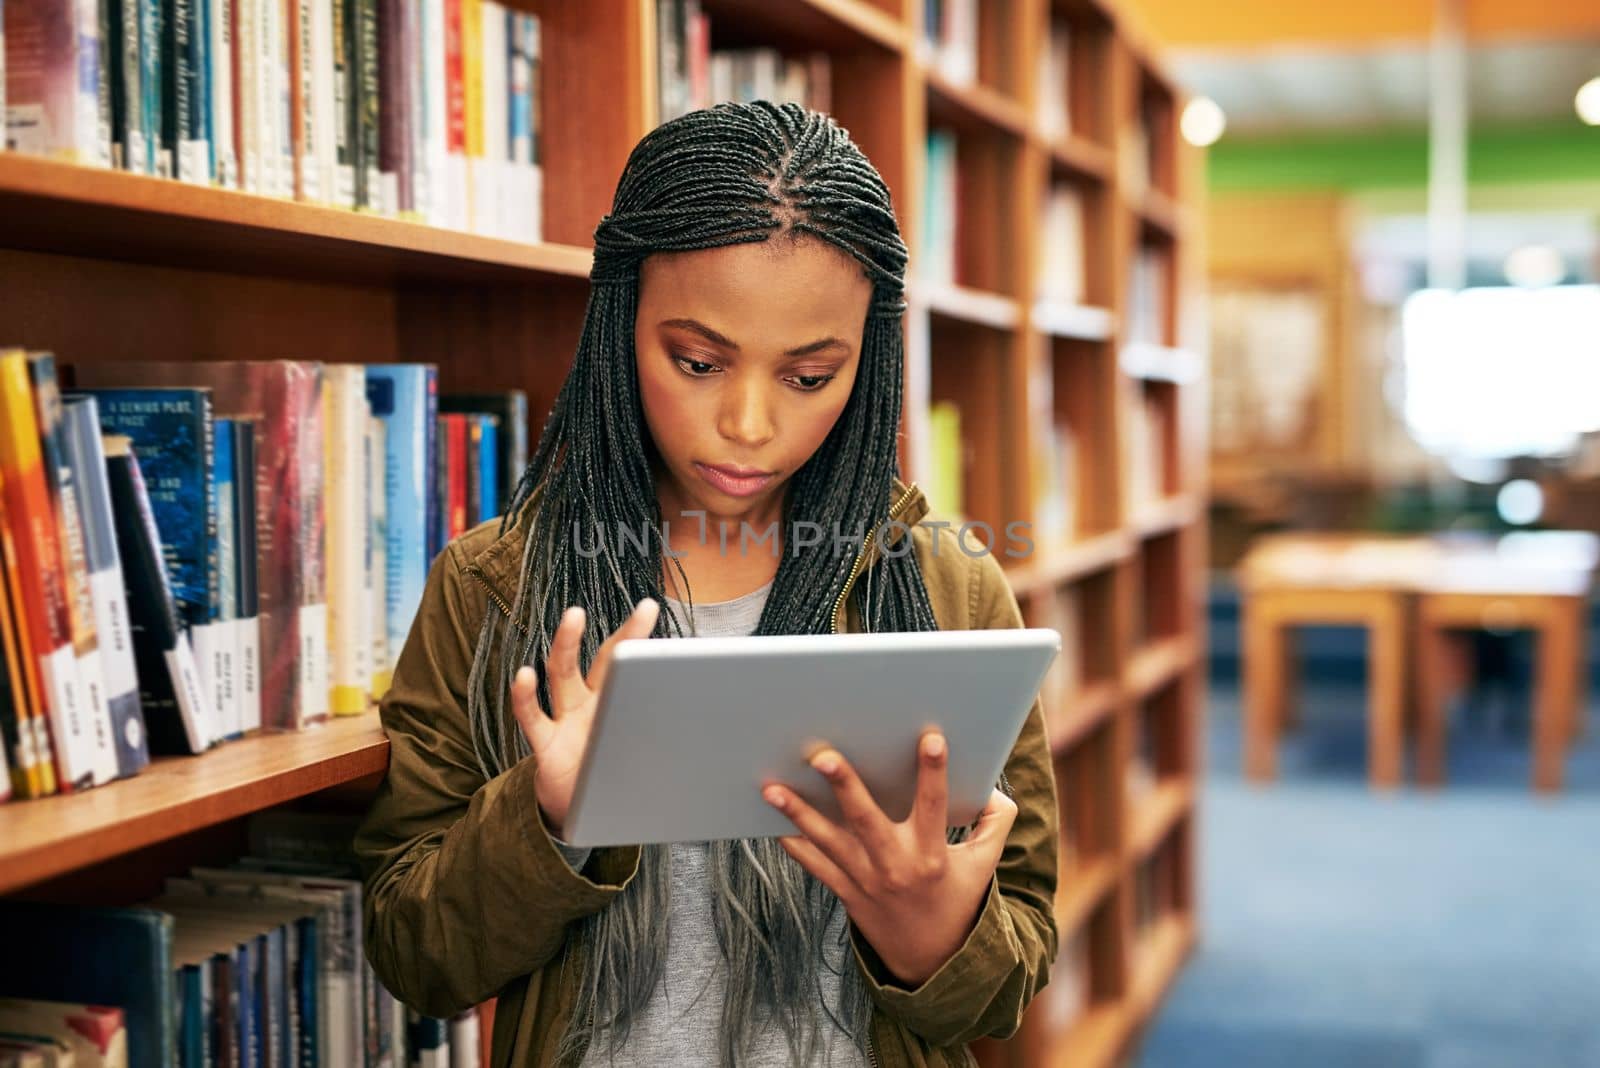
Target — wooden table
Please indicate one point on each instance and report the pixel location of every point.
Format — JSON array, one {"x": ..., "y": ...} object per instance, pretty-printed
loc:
[{"x": 1400, "y": 588}]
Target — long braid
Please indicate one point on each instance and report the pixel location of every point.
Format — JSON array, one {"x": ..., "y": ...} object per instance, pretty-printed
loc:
[{"x": 729, "y": 175}]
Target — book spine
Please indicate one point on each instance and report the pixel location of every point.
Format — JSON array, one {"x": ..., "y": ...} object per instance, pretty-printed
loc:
[
  {"x": 226, "y": 655},
  {"x": 264, "y": 87},
  {"x": 191, "y": 147},
  {"x": 301, "y": 132},
  {"x": 87, "y": 459},
  {"x": 347, "y": 522},
  {"x": 455, "y": 130},
  {"x": 368, "y": 185},
  {"x": 313, "y": 600},
  {"x": 391, "y": 97},
  {"x": 32, "y": 771},
  {"x": 246, "y": 52},
  {"x": 248, "y": 599},
  {"x": 63, "y": 492},
  {"x": 323, "y": 118},
  {"x": 344, "y": 102},
  {"x": 435, "y": 111},
  {"x": 472, "y": 107},
  {"x": 488, "y": 468},
  {"x": 413, "y": 171},
  {"x": 44, "y": 603},
  {"x": 128, "y": 89},
  {"x": 94, "y": 91},
  {"x": 456, "y": 468},
  {"x": 113, "y": 78},
  {"x": 377, "y": 553},
  {"x": 284, "y": 99},
  {"x": 221, "y": 89}
]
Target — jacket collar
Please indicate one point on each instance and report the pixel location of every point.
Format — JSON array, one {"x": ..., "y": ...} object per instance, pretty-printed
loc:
[{"x": 500, "y": 565}]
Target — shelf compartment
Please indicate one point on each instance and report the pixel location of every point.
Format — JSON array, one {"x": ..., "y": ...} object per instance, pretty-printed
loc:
[
  {"x": 1159, "y": 957},
  {"x": 1080, "y": 891},
  {"x": 1053, "y": 566},
  {"x": 1159, "y": 664},
  {"x": 1081, "y": 713},
  {"x": 1078, "y": 157},
  {"x": 837, "y": 25},
  {"x": 175, "y": 795},
  {"x": 73, "y": 210},
  {"x": 965, "y": 304},
  {"x": 1154, "y": 816},
  {"x": 973, "y": 108}
]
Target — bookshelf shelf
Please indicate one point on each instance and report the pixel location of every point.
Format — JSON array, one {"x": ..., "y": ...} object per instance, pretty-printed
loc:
[
  {"x": 1167, "y": 515},
  {"x": 1160, "y": 363},
  {"x": 967, "y": 305},
  {"x": 1049, "y": 567},
  {"x": 829, "y": 24},
  {"x": 1161, "y": 215},
  {"x": 84, "y": 211},
  {"x": 1078, "y": 156},
  {"x": 1080, "y": 714},
  {"x": 1080, "y": 321},
  {"x": 1154, "y": 816},
  {"x": 175, "y": 795},
  {"x": 1159, "y": 663},
  {"x": 1081, "y": 890},
  {"x": 973, "y": 108},
  {"x": 1160, "y": 955}
]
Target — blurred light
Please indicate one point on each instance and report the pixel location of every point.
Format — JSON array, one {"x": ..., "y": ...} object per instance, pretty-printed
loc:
[
  {"x": 1484, "y": 470},
  {"x": 1520, "y": 502},
  {"x": 1203, "y": 122},
  {"x": 1588, "y": 101},
  {"x": 1534, "y": 266}
]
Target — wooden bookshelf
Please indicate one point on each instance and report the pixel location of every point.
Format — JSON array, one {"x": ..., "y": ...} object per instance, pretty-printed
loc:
[{"x": 99, "y": 265}]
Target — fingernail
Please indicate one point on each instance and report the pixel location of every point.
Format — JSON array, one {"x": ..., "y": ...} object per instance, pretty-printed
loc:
[
  {"x": 934, "y": 746},
  {"x": 827, "y": 763},
  {"x": 774, "y": 796}
]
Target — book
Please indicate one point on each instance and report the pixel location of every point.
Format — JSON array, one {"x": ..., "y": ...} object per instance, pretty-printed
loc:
[
  {"x": 172, "y": 432},
  {"x": 39, "y": 590},
  {"x": 284, "y": 398},
  {"x": 945, "y": 488},
  {"x": 129, "y": 150},
  {"x": 348, "y": 521},
  {"x": 62, "y": 489},
  {"x": 404, "y": 397},
  {"x": 219, "y": 93},
  {"x": 427, "y": 1041},
  {"x": 52, "y": 74},
  {"x": 86, "y": 457},
  {"x": 176, "y": 706},
  {"x": 940, "y": 209},
  {"x": 225, "y": 646},
  {"x": 247, "y": 595},
  {"x": 22, "y": 715},
  {"x": 453, "y": 442},
  {"x": 97, "y": 956},
  {"x": 377, "y": 534},
  {"x": 1055, "y": 81},
  {"x": 97, "y": 1035},
  {"x": 1061, "y": 252},
  {"x": 510, "y": 407}
]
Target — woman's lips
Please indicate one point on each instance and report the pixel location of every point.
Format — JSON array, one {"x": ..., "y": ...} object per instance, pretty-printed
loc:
[{"x": 733, "y": 484}]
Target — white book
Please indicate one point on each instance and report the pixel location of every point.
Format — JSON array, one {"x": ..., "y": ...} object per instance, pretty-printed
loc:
[
  {"x": 220, "y": 57},
  {"x": 194, "y": 704},
  {"x": 91, "y": 128},
  {"x": 322, "y": 153},
  {"x": 250, "y": 673},
  {"x": 284, "y": 75},
  {"x": 377, "y": 553},
  {"x": 496, "y": 121},
  {"x": 435, "y": 120},
  {"x": 248, "y": 31},
  {"x": 206, "y": 641},
  {"x": 345, "y": 495},
  {"x": 226, "y": 638},
  {"x": 310, "y": 173},
  {"x": 465, "y": 1051}
]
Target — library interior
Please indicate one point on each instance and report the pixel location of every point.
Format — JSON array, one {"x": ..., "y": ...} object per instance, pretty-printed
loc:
[{"x": 289, "y": 290}]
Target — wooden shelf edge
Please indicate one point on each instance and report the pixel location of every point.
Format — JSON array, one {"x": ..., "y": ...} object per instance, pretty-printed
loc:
[
  {"x": 1153, "y": 817},
  {"x": 1081, "y": 892},
  {"x": 51, "y": 836},
  {"x": 1158, "y": 664},
  {"x": 1161, "y": 213},
  {"x": 868, "y": 21},
  {"x": 1083, "y": 322},
  {"x": 1159, "y": 958},
  {"x": 836, "y": 25},
  {"x": 1050, "y": 567},
  {"x": 966, "y": 304},
  {"x": 972, "y": 106},
  {"x": 1168, "y": 514},
  {"x": 1091, "y": 706},
  {"x": 1080, "y": 156},
  {"x": 200, "y": 226},
  {"x": 1095, "y": 1039},
  {"x": 1160, "y": 363}
]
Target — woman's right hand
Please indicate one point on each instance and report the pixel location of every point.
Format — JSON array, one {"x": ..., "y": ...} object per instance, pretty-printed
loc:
[{"x": 559, "y": 740}]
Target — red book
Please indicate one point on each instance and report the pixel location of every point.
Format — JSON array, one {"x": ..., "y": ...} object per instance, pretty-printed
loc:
[
  {"x": 284, "y": 397},
  {"x": 455, "y": 445},
  {"x": 455, "y": 93}
]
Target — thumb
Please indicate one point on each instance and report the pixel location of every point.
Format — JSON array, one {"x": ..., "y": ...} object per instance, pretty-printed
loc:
[{"x": 988, "y": 838}]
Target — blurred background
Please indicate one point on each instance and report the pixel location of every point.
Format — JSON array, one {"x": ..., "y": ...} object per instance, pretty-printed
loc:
[{"x": 1398, "y": 860}]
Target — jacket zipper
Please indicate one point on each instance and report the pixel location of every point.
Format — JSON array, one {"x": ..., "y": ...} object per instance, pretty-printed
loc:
[
  {"x": 866, "y": 547},
  {"x": 477, "y": 575}
]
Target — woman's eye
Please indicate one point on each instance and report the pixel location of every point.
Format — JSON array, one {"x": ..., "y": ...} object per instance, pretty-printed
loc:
[
  {"x": 694, "y": 368},
  {"x": 811, "y": 383}
]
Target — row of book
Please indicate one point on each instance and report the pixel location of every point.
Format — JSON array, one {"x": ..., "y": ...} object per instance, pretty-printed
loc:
[
  {"x": 691, "y": 75},
  {"x": 1055, "y": 81},
  {"x": 1060, "y": 250},
  {"x": 198, "y": 550},
  {"x": 1147, "y": 295},
  {"x": 950, "y": 39},
  {"x": 939, "y": 228},
  {"x": 426, "y": 109},
  {"x": 1058, "y": 610},
  {"x": 1147, "y": 457},
  {"x": 260, "y": 964}
]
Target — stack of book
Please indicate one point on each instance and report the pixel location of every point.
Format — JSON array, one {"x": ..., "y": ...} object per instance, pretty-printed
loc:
[
  {"x": 1060, "y": 249},
  {"x": 198, "y": 550},
  {"x": 692, "y": 76},
  {"x": 1146, "y": 438},
  {"x": 941, "y": 215},
  {"x": 950, "y": 39},
  {"x": 258, "y": 963},
  {"x": 1055, "y": 82},
  {"x": 425, "y": 109}
]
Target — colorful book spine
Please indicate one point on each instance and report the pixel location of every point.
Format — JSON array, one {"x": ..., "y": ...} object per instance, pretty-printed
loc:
[
  {"x": 345, "y": 424},
  {"x": 225, "y": 645},
  {"x": 23, "y": 720},
  {"x": 247, "y": 595},
  {"x": 52, "y": 73},
  {"x": 62, "y": 487},
  {"x": 472, "y": 107},
  {"x": 510, "y": 408},
  {"x": 392, "y": 118},
  {"x": 220, "y": 92},
  {"x": 150, "y": 82},
  {"x": 368, "y": 186},
  {"x": 455, "y": 96},
  {"x": 405, "y": 398},
  {"x": 344, "y": 65},
  {"x": 377, "y": 544},
  {"x": 247, "y": 60},
  {"x": 40, "y": 578},
  {"x": 435, "y": 113},
  {"x": 177, "y": 709},
  {"x": 129, "y": 151},
  {"x": 86, "y": 457},
  {"x": 454, "y": 438},
  {"x": 487, "y": 462}
]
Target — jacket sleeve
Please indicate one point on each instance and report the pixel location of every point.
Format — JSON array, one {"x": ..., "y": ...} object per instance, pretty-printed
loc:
[
  {"x": 984, "y": 988},
  {"x": 466, "y": 889}
]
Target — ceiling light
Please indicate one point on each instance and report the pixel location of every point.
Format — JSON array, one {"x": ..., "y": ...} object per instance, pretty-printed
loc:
[
  {"x": 1203, "y": 122},
  {"x": 1588, "y": 101}
]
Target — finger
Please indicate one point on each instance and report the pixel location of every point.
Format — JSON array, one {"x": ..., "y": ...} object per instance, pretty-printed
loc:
[
  {"x": 988, "y": 838},
  {"x": 640, "y": 624},
  {"x": 860, "y": 809},
  {"x": 930, "y": 815},
  {"x": 815, "y": 861},
  {"x": 536, "y": 726},
  {"x": 835, "y": 842},
  {"x": 567, "y": 689}
]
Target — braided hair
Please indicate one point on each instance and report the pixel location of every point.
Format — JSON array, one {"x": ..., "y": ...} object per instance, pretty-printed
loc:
[{"x": 728, "y": 175}]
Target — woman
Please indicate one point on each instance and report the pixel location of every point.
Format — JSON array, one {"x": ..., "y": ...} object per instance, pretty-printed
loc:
[{"x": 739, "y": 374}]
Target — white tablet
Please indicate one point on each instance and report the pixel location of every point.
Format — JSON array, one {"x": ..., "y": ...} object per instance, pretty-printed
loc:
[{"x": 688, "y": 730}]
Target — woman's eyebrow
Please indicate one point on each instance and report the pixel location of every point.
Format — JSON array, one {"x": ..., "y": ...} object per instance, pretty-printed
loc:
[{"x": 715, "y": 338}]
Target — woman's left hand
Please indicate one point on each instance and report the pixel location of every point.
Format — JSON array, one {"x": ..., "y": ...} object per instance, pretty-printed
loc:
[{"x": 912, "y": 895}]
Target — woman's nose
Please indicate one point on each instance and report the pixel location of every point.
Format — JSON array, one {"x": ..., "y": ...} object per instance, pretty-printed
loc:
[{"x": 746, "y": 414}]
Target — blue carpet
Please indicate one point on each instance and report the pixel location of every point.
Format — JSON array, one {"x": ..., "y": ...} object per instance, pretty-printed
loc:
[{"x": 1459, "y": 929}]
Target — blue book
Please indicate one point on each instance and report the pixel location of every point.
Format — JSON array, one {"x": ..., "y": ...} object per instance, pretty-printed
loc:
[
  {"x": 406, "y": 398},
  {"x": 488, "y": 460},
  {"x": 172, "y": 435},
  {"x": 97, "y": 956},
  {"x": 150, "y": 70},
  {"x": 225, "y": 652}
]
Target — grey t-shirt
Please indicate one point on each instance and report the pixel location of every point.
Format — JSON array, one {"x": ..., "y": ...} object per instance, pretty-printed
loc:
[{"x": 681, "y": 1024}]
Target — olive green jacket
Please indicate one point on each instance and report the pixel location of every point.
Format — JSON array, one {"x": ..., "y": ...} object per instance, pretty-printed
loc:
[{"x": 468, "y": 898}]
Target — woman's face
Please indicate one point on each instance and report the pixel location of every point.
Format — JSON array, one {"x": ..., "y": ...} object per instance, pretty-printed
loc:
[{"x": 746, "y": 357}]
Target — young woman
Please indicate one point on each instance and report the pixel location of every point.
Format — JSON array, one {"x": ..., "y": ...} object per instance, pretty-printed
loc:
[{"x": 736, "y": 391}]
